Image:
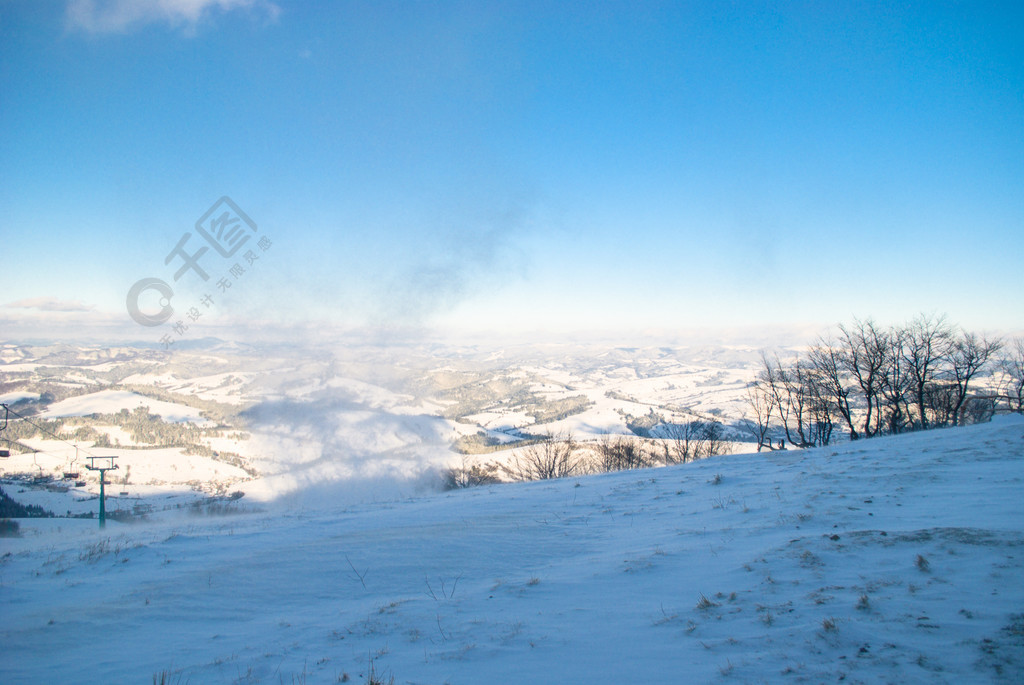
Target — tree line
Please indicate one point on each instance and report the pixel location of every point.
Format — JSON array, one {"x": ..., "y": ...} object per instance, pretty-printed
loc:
[{"x": 872, "y": 380}]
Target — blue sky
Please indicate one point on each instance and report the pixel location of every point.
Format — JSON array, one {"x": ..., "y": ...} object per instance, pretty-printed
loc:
[{"x": 520, "y": 166}]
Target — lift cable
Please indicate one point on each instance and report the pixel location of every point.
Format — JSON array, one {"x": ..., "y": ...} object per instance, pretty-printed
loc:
[{"x": 44, "y": 430}]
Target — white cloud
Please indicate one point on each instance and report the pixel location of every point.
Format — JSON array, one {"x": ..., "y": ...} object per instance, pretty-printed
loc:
[
  {"x": 120, "y": 16},
  {"x": 51, "y": 304}
]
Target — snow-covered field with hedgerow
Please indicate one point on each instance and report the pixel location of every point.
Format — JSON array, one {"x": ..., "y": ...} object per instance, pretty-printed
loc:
[{"x": 895, "y": 560}]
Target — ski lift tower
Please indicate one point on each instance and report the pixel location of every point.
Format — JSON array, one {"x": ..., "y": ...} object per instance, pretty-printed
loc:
[{"x": 105, "y": 464}]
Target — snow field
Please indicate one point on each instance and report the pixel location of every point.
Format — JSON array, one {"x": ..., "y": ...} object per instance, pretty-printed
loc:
[
  {"x": 153, "y": 476},
  {"x": 113, "y": 401},
  {"x": 891, "y": 560}
]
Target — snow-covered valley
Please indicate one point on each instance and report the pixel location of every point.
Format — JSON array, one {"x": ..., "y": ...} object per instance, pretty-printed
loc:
[{"x": 271, "y": 421}]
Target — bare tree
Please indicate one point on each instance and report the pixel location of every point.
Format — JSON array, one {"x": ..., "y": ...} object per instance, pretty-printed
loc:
[
  {"x": 968, "y": 354},
  {"x": 939, "y": 398},
  {"x": 788, "y": 395},
  {"x": 925, "y": 347},
  {"x": 881, "y": 380},
  {"x": 821, "y": 411},
  {"x": 1012, "y": 367},
  {"x": 896, "y": 384},
  {"x": 829, "y": 387},
  {"x": 866, "y": 349},
  {"x": 554, "y": 456},
  {"x": 799, "y": 401},
  {"x": 762, "y": 406}
]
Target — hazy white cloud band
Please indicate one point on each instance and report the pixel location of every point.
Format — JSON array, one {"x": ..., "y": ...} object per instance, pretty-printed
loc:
[{"x": 51, "y": 304}]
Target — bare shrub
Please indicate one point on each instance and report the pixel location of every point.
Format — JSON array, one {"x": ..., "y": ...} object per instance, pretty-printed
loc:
[
  {"x": 703, "y": 603},
  {"x": 375, "y": 677},
  {"x": 922, "y": 563},
  {"x": 165, "y": 677},
  {"x": 977, "y": 410},
  {"x": 714, "y": 439},
  {"x": 469, "y": 476},
  {"x": 554, "y": 456},
  {"x": 622, "y": 453},
  {"x": 685, "y": 441},
  {"x": 693, "y": 439}
]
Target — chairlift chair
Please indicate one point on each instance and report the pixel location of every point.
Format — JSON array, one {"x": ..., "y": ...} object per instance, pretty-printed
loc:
[
  {"x": 70, "y": 472},
  {"x": 5, "y": 453}
]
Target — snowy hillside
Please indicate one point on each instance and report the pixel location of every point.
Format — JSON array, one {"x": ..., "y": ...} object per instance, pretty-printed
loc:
[
  {"x": 110, "y": 402},
  {"x": 890, "y": 560}
]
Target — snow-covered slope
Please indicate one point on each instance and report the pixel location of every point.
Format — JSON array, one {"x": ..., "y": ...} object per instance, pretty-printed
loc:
[
  {"x": 112, "y": 401},
  {"x": 891, "y": 560}
]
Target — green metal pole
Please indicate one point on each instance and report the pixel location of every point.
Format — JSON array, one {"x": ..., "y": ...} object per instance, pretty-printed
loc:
[{"x": 103, "y": 512}]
